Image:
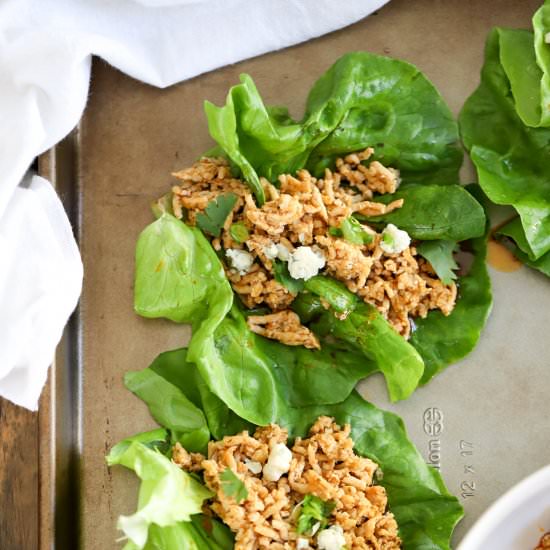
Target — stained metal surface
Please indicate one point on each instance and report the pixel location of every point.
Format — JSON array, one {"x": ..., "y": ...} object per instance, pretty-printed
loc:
[
  {"x": 483, "y": 422},
  {"x": 60, "y": 416}
]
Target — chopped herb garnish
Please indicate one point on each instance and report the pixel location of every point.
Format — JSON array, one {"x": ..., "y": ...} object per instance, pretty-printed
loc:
[
  {"x": 212, "y": 219},
  {"x": 239, "y": 232},
  {"x": 388, "y": 238},
  {"x": 232, "y": 486},
  {"x": 440, "y": 255},
  {"x": 313, "y": 510}
]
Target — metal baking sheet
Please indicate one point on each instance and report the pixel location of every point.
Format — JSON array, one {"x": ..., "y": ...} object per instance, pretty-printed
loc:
[{"x": 483, "y": 422}]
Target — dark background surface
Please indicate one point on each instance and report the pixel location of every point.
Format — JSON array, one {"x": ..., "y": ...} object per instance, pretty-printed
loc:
[{"x": 19, "y": 488}]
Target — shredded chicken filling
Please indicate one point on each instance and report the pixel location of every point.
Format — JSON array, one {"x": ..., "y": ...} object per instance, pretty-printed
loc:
[
  {"x": 299, "y": 212},
  {"x": 323, "y": 464}
]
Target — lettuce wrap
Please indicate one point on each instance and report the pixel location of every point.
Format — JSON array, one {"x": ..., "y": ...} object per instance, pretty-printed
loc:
[
  {"x": 362, "y": 100},
  {"x": 425, "y": 511}
]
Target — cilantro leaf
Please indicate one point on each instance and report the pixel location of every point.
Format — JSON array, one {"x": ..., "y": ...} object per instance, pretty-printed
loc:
[
  {"x": 440, "y": 254},
  {"x": 212, "y": 219},
  {"x": 313, "y": 510},
  {"x": 232, "y": 486},
  {"x": 239, "y": 232},
  {"x": 351, "y": 230},
  {"x": 282, "y": 276}
]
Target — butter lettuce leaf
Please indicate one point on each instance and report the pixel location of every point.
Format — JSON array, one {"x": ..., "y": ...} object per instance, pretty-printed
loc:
[
  {"x": 362, "y": 100},
  {"x": 520, "y": 248},
  {"x": 201, "y": 533},
  {"x": 426, "y": 512},
  {"x": 173, "y": 367},
  {"x": 178, "y": 275},
  {"x": 514, "y": 101},
  {"x": 541, "y": 28},
  {"x": 171, "y": 409},
  {"x": 363, "y": 330},
  {"x": 433, "y": 212},
  {"x": 167, "y": 494},
  {"x": 256, "y": 376},
  {"x": 511, "y": 157},
  {"x": 442, "y": 340},
  {"x": 525, "y": 58},
  {"x": 251, "y": 374},
  {"x": 387, "y": 104}
]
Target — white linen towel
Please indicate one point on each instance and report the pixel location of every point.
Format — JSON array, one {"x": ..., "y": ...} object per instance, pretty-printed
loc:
[{"x": 45, "y": 59}]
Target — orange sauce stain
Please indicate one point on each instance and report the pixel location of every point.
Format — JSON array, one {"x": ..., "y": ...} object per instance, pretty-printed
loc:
[
  {"x": 159, "y": 266},
  {"x": 500, "y": 258}
]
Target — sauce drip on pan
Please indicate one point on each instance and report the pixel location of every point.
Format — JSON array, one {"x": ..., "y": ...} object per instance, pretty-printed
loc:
[{"x": 500, "y": 258}]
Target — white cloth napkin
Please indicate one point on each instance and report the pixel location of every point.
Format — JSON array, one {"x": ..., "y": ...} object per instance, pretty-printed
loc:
[{"x": 45, "y": 59}]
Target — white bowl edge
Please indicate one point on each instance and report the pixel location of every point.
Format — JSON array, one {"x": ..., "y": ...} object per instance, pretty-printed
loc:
[{"x": 481, "y": 533}]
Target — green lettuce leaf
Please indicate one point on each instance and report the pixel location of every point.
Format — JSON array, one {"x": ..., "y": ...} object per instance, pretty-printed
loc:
[
  {"x": 167, "y": 494},
  {"x": 258, "y": 376},
  {"x": 216, "y": 533},
  {"x": 390, "y": 105},
  {"x": 171, "y": 408},
  {"x": 352, "y": 231},
  {"x": 179, "y": 276},
  {"x": 201, "y": 533},
  {"x": 157, "y": 440},
  {"x": 363, "y": 330},
  {"x": 425, "y": 511},
  {"x": 431, "y": 212},
  {"x": 541, "y": 27},
  {"x": 255, "y": 376},
  {"x": 442, "y": 340},
  {"x": 175, "y": 369},
  {"x": 514, "y": 230},
  {"x": 362, "y": 100},
  {"x": 511, "y": 158},
  {"x": 223, "y": 124},
  {"x": 238, "y": 365},
  {"x": 517, "y": 56},
  {"x": 525, "y": 59}
]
